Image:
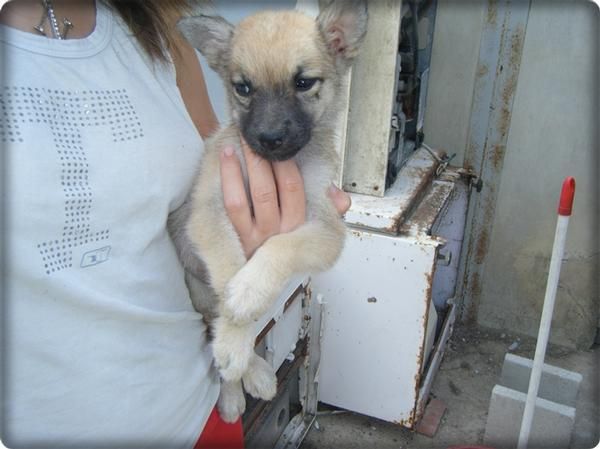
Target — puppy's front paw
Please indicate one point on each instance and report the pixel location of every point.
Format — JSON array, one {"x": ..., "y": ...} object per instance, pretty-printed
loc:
[
  {"x": 260, "y": 380},
  {"x": 232, "y": 349},
  {"x": 247, "y": 296},
  {"x": 231, "y": 403}
]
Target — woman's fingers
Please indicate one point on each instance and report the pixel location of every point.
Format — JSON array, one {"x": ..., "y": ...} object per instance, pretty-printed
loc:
[
  {"x": 234, "y": 193},
  {"x": 277, "y": 202},
  {"x": 341, "y": 200},
  {"x": 263, "y": 191},
  {"x": 292, "y": 199}
]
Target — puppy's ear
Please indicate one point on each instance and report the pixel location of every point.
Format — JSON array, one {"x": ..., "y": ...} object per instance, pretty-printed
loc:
[
  {"x": 344, "y": 25},
  {"x": 211, "y": 35}
]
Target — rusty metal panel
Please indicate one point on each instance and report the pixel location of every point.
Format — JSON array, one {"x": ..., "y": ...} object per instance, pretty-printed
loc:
[
  {"x": 372, "y": 95},
  {"x": 380, "y": 319},
  {"x": 376, "y": 307},
  {"x": 425, "y": 216},
  {"x": 388, "y": 214},
  {"x": 495, "y": 86}
]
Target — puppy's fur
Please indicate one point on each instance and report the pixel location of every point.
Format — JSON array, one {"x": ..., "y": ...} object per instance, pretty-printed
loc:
[{"x": 283, "y": 74}]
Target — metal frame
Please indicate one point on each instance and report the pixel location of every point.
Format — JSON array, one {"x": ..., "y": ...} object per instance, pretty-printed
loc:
[
  {"x": 289, "y": 338},
  {"x": 498, "y": 68},
  {"x": 300, "y": 424},
  {"x": 372, "y": 97}
]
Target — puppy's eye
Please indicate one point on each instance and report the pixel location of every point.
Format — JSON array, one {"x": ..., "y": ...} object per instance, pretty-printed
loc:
[
  {"x": 304, "y": 84},
  {"x": 243, "y": 89}
]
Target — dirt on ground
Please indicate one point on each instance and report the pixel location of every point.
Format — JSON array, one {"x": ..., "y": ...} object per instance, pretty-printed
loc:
[{"x": 470, "y": 368}]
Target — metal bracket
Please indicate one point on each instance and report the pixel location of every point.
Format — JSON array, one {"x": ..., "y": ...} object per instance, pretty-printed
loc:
[
  {"x": 443, "y": 161},
  {"x": 474, "y": 180}
]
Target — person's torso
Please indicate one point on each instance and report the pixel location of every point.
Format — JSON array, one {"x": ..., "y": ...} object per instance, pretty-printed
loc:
[{"x": 98, "y": 149}]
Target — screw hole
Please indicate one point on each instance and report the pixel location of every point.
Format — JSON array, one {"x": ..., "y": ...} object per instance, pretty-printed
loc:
[{"x": 281, "y": 418}]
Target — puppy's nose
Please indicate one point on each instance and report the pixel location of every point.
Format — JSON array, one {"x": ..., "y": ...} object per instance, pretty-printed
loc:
[{"x": 271, "y": 140}]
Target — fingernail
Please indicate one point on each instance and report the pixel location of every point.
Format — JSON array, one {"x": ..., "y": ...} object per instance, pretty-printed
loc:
[
  {"x": 228, "y": 151},
  {"x": 333, "y": 190}
]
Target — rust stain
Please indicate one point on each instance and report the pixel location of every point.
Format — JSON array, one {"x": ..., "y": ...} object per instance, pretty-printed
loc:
[
  {"x": 405, "y": 422},
  {"x": 482, "y": 243},
  {"x": 482, "y": 247},
  {"x": 482, "y": 71},
  {"x": 492, "y": 12},
  {"x": 497, "y": 157},
  {"x": 471, "y": 316},
  {"x": 425, "y": 175},
  {"x": 421, "y": 354},
  {"x": 510, "y": 86},
  {"x": 516, "y": 46},
  {"x": 424, "y": 216},
  {"x": 504, "y": 118},
  {"x": 429, "y": 280}
]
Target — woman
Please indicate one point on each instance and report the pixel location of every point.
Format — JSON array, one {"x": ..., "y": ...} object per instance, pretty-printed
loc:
[{"x": 104, "y": 110}]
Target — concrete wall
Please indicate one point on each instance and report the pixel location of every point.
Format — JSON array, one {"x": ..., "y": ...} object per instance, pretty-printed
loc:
[
  {"x": 454, "y": 55},
  {"x": 553, "y": 134}
]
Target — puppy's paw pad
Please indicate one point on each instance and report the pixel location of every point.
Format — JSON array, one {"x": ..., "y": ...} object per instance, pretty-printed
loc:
[{"x": 260, "y": 380}]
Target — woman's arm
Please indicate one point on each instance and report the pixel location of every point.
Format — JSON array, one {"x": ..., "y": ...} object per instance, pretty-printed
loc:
[{"x": 191, "y": 84}]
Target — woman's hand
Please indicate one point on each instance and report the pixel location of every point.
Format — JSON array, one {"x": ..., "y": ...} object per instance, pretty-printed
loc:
[{"x": 277, "y": 196}]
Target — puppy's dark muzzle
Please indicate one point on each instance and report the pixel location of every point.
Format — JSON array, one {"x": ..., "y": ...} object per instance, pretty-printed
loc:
[
  {"x": 277, "y": 146},
  {"x": 271, "y": 141},
  {"x": 276, "y": 127},
  {"x": 276, "y": 152}
]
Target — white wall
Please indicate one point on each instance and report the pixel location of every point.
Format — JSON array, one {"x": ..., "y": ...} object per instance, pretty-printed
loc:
[
  {"x": 454, "y": 56},
  {"x": 553, "y": 134}
]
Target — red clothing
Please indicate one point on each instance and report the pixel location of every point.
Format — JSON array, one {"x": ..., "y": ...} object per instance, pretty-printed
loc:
[{"x": 218, "y": 434}]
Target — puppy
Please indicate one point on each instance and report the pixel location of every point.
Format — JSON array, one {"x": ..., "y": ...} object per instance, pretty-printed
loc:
[{"x": 283, "y": 72}]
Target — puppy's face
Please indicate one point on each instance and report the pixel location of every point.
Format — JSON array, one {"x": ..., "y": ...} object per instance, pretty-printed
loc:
[
  {"x": 281, "y": 80},
  {"x": 281, "y": 69}
]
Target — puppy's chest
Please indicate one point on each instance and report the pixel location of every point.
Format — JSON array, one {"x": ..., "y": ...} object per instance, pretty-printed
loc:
[{"x": 317, "y": 176}]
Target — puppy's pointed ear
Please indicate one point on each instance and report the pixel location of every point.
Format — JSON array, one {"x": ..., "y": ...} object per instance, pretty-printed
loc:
[
  {"x": 344, "y": 25},
  {"x": 211, "y": 35}
]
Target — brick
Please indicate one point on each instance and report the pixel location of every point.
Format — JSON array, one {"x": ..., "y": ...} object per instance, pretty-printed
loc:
[{"x": 430, "y": 421}]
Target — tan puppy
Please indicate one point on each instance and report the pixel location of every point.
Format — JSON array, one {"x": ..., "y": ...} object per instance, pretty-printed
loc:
[{"x": 283, "y": 74}]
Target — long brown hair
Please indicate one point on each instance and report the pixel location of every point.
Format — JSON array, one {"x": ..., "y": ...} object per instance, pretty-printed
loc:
[{"x": 152, "y": 22}]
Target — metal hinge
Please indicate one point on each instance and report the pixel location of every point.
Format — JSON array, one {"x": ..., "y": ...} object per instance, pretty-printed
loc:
[{"x": 474, "y": 180}]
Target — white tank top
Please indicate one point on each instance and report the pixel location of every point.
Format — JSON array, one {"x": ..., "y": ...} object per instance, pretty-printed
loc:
[{"x": 102, "y": 344}]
